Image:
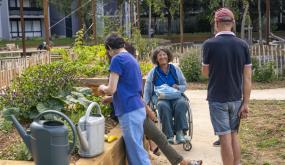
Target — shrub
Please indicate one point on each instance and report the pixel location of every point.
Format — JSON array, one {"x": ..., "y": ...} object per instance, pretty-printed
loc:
[
  {"x": 191, "y": 66},
  {"x": 91, "y": 60},
  {"x": 263, "y": 73},
  {"x": 145, "y": 67},
  {"x": 38, "y": 84}
]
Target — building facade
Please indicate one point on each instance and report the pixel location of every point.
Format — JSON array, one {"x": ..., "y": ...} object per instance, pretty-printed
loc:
[{"x": 10, "y": 26}]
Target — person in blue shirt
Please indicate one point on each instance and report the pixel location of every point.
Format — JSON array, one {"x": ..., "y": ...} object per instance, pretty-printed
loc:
[
  {"x": 165, "y": 73},
  {"x": 125, "y": 85}
]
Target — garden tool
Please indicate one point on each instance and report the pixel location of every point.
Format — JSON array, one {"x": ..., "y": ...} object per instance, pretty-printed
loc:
[
  {"x": 47, "y": 140},
  {"x": 91, "y": 130}
]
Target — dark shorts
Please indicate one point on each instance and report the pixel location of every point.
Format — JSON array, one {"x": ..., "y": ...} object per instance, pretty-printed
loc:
[{"x": 224, "y": 116}]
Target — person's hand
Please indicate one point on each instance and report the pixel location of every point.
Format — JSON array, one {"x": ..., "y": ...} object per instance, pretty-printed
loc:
[
  {"x": 151, "y": 115},
  {"x": 107, "y": 99},
  {"x": 175, "y": 86},
  {"x": 101, "y": 89},
  {"x": 243, "y": 113}
]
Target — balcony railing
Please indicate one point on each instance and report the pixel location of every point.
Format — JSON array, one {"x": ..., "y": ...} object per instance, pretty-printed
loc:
[{"x": 27, "y": 11}]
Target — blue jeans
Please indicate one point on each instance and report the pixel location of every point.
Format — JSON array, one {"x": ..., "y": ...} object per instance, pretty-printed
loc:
[
  {"x": 224, "y": 116},
  {"x": 132, "y": 128},
  {"x": 173, "y": 115}
]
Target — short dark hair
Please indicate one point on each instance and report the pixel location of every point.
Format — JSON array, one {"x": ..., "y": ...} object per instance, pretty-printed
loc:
[
  {"x": 114, "y": 41},
  {"x": 157, "y": 50},
  {"x": 131, "y": 49}
]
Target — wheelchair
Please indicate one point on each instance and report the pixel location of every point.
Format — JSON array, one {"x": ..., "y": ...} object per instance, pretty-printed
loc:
[{"x": 187, "y": 146}]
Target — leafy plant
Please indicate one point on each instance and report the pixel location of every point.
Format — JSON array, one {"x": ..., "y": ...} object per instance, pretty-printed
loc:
[
  {"x": 38, "y": 84},
  {"x": 190, "y": 66},
  {"x": 145, "y": 67},
  {"x": 263, "y": 73},
  {"x": 91, "y": 60}
]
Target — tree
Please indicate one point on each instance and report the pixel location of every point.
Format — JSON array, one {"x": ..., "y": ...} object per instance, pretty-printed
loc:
[{"x": 244, "y": 17}]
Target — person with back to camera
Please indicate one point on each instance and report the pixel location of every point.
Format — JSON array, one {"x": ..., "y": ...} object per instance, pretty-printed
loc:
[
  {"x": 172, "y": 112},
  {"x": 125, "y": 85},
  {"x": 227, "y": 63},
  {"x": 155, "y": 134}
]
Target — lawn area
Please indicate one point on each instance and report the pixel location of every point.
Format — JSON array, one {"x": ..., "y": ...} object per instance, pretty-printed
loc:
[
  {"x": 33, "y": 43},
  {"x": 263, "y": 134},
  {"x": 255, "y": 85},
  {"x": 188, "y": 37}
]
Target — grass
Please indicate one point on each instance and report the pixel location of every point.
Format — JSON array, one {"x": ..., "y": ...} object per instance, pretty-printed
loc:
[
  {"x": 188, "y": 37},
  {"x": 255, "y": 85},
  {"x": 263, "y": 134},
  {"x": 36, "y": 41}
]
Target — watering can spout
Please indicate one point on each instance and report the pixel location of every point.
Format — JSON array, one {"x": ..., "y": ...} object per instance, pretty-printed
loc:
[
  {"x": 26, "y": 138},
  {"x": 82, "y": 136}
]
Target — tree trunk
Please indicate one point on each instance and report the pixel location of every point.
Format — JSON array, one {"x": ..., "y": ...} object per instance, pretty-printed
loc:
[
  {"x": 181, "y": 24},
  {"x": 149, "y": 20},
  {"x": 244, "y": 19},
  {"x": 23, "y": 26},
  {"x": 94, "y": 20},
  {"x": 138, "y": 14},
  {"x": 80, "y": 15},
  {"x": 46, "y": 22},
  {"x": 169, "y": 20},
  {"x": 259, "y": 22},
  {"x": 267, "y": 20}
]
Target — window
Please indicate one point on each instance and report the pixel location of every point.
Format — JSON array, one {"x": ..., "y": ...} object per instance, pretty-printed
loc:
[
  {"x": 32, "y": 28},
  {"x": 12, "y": 3}
]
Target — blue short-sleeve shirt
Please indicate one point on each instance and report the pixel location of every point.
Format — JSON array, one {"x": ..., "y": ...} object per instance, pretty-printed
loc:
[{"x": 127, "y": 97}]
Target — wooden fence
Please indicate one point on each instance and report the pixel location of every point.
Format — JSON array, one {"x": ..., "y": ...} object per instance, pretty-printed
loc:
[
  {"x": 262, "y": 53},
  {"x": 11, "y": 68}
]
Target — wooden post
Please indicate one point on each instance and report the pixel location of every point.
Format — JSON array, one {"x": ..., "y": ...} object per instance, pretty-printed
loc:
[
  {"x": 23, "y": 26},
  {"x": 46, "y": 22}
]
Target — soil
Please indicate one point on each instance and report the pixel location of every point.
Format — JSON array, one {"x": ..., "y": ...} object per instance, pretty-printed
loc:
[{"x": 11, "y": 138}]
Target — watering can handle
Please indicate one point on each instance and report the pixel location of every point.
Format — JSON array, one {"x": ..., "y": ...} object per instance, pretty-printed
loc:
[
  {"x": 66, "y": 119},
  {"x": 89, "y": 109}
]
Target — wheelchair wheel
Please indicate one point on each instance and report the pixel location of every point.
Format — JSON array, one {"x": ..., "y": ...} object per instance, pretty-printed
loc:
[
  {"x": 187, "y": 146},
  {"x": 189, "y": 121}
]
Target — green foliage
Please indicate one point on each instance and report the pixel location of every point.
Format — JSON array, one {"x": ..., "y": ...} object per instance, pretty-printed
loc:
[
  {"x": 5, "y": 125},
  {"x": 91, "y": 60},
  {"x": 191, "y": 67},
  {"x": 79, "y": 38},
  {"x": 16, "y": 151},
  {"x": 62, "y": 52},
  {"x": 263, "y": 73},
  {"x": 38, "y": 84},
  {"x": 143, "y": 45},
  {"x": 145, "y": 67}
]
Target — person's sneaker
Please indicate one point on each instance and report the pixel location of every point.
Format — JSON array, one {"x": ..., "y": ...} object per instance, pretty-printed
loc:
[
  {"x": 217, "y": 143},
  {"x": 170, "y": 140},
  {"x": 180, "y": 137},
  {"x": 195, "y": 162}
]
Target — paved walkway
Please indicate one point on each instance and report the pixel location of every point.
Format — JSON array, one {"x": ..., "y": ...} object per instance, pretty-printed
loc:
[{"x": 203, "y": 135}]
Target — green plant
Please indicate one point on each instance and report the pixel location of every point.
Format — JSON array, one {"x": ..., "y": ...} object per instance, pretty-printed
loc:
[
  {"x": 263, "y": 73},
  {"x": 38, "y": 84},
  {"x": 145, "y": 67},
  {"x": 190, "y": 66},
  {"x": 16, "y": 151},
  {"x": 91, "y": 60},
  {"x": 62, "y": 52}
]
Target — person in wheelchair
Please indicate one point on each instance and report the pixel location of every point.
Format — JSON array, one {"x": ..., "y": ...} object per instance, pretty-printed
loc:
[{"x": 171, "y": 109}]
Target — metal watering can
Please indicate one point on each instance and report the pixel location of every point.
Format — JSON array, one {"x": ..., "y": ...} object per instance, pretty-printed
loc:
[
  {"x": 48, "y": 140},
  {"x": 91, "y": 130}
]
